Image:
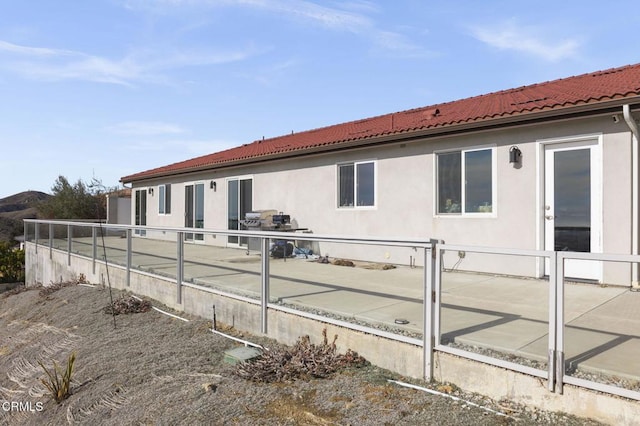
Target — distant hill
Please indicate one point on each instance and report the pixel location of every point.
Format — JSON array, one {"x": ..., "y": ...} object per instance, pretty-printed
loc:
[{"x": 14, "y": 209}]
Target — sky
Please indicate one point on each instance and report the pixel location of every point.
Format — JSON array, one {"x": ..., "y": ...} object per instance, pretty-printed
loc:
[{"x": 107, "y": 88}]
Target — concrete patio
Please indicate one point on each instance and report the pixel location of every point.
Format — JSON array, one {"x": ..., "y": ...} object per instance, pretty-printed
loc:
[{"x": 505, "y": 314}]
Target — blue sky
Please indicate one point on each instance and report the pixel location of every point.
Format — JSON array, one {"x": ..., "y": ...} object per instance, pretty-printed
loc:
[{"x": 107, "y": 88}]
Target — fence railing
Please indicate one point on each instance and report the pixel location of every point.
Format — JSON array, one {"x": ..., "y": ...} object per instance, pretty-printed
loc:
[{"x": 552, "y": 327}]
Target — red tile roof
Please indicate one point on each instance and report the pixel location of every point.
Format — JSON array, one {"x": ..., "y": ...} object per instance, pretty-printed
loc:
[{"x": 588, "y": 89}]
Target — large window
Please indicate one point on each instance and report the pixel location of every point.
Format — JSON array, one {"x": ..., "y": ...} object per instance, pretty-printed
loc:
[
  {"x": 164, "y": 199},
  {"x": 465, "y": 182},
  {"x": 356, "y": 184}
]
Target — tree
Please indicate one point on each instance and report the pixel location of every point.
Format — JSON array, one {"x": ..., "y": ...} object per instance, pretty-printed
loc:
[
  {"x": 11, "y": 264},
  {"x": 77, "y": 201}
]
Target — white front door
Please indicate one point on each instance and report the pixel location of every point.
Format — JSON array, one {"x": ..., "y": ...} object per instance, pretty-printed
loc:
[{"x": 573, "y": 204}]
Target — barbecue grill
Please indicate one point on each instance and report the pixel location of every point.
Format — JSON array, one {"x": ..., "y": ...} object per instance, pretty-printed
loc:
[{"x": 265, "y": 220}]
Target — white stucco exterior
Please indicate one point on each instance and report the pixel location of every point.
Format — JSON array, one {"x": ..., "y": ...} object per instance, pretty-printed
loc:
[{"x": 306, "y": 188}]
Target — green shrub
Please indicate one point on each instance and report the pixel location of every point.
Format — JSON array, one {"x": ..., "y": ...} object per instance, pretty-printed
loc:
[{"x": 11, "y": 264}]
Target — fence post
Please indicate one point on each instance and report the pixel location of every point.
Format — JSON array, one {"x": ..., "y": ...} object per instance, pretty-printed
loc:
[
  {"x": 264, "y": 275},
  {"x": 428, "y": 313},
  {"x": 553, "y": 322},
  {"x": 94, "y": 248},
  {"x": 69, "y": 237},
  {"x": 179, "y": 265},
  {"x": 128, "y": 257},
  {"x": 36, "y": 235},
  {"x": 437, "y": 290},
  {"x": 560, "y": 322},
  {"x": 51, "y": 241}
]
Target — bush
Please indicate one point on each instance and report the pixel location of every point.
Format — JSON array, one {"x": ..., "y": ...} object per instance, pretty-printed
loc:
[{"x": 11, "y": 264}]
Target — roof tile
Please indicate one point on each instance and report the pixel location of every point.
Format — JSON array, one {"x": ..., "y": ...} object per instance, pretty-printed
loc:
[{"x": 572, "y": 91}]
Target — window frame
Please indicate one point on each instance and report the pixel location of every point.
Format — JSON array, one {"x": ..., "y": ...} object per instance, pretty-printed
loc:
[
  {"x": 494, "y": 180},
  {"x": 164, "y": 202},
  {"x": 355, "y": 165}
]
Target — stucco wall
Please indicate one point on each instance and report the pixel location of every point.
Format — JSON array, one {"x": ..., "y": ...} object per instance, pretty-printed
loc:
[{"x": 305, "y": 188}]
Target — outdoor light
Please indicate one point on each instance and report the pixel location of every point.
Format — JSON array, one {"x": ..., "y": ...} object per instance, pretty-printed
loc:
[
  {"x": 213, "y": 185},
  {"x": 515, "y": 155},
  {"x": 150, "y": 191}
]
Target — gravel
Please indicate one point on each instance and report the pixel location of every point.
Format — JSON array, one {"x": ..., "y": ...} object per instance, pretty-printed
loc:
[{"x": 154, "y": 369}]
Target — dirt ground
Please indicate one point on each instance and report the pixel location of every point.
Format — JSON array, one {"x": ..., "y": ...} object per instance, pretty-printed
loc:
[{"x": 153, "y": 369}]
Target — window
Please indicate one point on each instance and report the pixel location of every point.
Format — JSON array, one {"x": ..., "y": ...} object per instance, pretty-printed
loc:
[
  {"x": 356, "y": 184},
  {"x": 164, "y": 199},
  {"x": 465, "y": 182}
]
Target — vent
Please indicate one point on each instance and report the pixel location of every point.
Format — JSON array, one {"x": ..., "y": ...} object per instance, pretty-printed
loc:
[{"x": 433, "y": 112}]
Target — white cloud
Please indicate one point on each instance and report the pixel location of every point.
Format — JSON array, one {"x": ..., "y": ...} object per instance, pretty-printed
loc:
[
  {"x": 325, "y": 16},
  {"x": 527, "y": 39},
  {"x": 184, "y": 148},
  {"x": 400, "y": 45},
  {"x": 145, "y": 128},
  {"x": 51, "y": 64},
  {"x": 94, "y": 69},
  {"x": 352, "y": 16},
  {"x": 32, "y": 51},
  {"x": 194, "y": 57},
  {"x": 296, "y": 9}
]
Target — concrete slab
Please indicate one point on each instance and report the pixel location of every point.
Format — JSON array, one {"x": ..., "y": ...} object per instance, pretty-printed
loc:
[
  {"x": 620, "y": 358},
  {"x": 411, "y": 312},
  {"x": 510, "y": 336},
  {"x": 241, "y": 354},
  {"x": 583, "y": 298}
]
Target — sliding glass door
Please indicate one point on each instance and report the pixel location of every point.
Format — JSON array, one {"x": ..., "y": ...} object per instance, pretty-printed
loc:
[
  {"x": 239, "y": 202},
  {"x": 141, "y": 211},
  {"x": 194, "y": 210}
]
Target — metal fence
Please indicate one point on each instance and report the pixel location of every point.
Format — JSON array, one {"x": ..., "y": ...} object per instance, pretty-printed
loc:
[{"x": 550, "y": 327}]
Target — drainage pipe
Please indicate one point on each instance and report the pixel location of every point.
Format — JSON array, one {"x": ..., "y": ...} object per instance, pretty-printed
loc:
[
  {"x": 446, "y": 395},
  {"x": 163, "y": 312},
  {"x": 245, "y": 342},
  {"x": 628, "y": 118}
]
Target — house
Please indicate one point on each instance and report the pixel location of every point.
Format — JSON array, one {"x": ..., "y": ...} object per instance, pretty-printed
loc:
[
  {"x": 550, "y": 166},
  {"x": 119, "y": 207}
]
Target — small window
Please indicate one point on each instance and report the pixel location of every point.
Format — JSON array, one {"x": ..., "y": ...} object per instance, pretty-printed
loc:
[
  {"x": 356, "y": 184},
  {"x": 164, "y": 199},
  {"x": 465, "y": 182}
]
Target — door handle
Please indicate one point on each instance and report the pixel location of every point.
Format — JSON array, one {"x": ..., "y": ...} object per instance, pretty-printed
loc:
[{"x": 549, "y": 217}]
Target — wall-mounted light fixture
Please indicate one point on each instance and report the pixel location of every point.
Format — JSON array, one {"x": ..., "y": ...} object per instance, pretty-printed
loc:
[
  {"x": 515, "y": 155},
  {"x": 150, "y": 191},
  {"x": 213, "y": 185}
]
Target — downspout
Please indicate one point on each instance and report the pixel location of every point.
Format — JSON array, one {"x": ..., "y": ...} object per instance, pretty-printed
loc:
[{"x": 633, "y": 126}]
